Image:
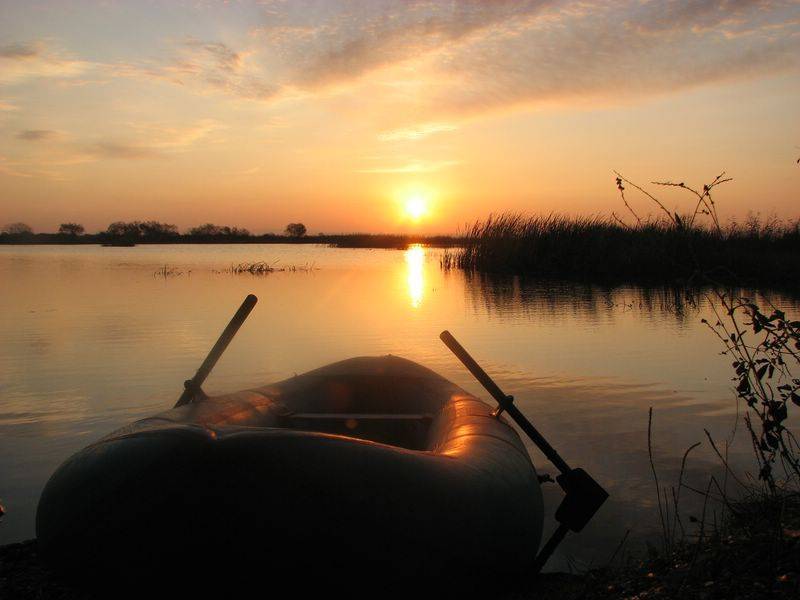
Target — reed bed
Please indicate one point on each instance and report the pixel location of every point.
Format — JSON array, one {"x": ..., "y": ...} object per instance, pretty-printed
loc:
[
  {"x": 264, "y": 268},
  {"x": 167, "y": 271},
  {"x": 606, "y": 249}
]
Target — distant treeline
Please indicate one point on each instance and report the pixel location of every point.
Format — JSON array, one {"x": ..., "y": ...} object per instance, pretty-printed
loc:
[{"x": 155, "y": 232}]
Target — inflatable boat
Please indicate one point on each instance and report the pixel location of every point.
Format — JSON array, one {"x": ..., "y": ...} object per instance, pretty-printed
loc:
[{"x": 370, "y": 465}]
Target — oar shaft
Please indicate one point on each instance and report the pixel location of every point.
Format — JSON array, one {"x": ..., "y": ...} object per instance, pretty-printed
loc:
[
  {"x": 550, "y": 547},
  {"x": 216, "y": 351},
  {"x": 504, "y": 401}
]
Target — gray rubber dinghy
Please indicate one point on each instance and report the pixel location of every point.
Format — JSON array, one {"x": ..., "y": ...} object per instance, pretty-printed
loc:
[{"x": 372, "y": 465}]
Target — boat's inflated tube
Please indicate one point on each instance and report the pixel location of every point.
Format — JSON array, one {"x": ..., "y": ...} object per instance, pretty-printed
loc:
[{"x": 369, "y": 465}]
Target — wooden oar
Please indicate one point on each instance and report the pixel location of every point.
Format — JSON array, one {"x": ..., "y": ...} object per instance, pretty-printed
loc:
[{"x": 192, "y": 386}]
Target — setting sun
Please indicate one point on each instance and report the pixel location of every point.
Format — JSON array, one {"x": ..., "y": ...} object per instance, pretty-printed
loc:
[{"x": 416, "y": 207}]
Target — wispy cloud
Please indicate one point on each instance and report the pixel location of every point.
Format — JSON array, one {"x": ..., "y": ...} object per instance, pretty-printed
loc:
[
  {"x": 412, "y": 167},
  {"x": 204, "y": 67},
  {"x": 681, "y": 15},
  {"x": 117, "y": 150},
  {"x": 165, "y": 137},
  {"x": 21, "y": 62},
  {"x": 416, "y": 132},
  {"x": 470, "y": 57},
  {"x": 13, "y": 168},
  {"x": 150, "y": 140},
  {"x": 349, "y": 40},
  {"x": 244, "y": 172},
  {"x": 143, "y": 141},
  {"x": 37, "y": 135},
  {"x": 427, "y": 66}
]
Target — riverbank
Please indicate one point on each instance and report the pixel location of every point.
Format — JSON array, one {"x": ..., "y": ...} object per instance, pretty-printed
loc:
[
  {"x": 24, "y": 577},
  {"x": 752, "y": 552},
  {"x": 756, "y": 554}
]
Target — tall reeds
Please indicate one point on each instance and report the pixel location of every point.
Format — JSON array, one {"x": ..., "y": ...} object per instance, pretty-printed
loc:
[
  {"x": 671, "y": 247},
  {"x": 605, "y": 249}
]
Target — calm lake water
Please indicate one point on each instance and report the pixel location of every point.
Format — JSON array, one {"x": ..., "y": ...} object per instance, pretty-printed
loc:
[{"x": 92, "y": 338}]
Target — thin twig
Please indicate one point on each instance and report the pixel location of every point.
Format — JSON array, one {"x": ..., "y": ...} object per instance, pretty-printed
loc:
[{"x": 655, "y": 476}]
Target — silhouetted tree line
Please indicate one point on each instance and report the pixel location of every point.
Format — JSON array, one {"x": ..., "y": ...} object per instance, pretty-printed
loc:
[
  {"x": 211, "y": 230},
  {"x": 155, "y": 232},
  {"x": 71, "y": 229},
  {"x": 19, "y": 229},
  {"x": 295, "y": 230},
  {"x": 134, "y": 232}
]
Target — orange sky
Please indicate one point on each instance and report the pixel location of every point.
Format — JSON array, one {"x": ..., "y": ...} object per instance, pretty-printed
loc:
[{"x": 335, "y": 114}]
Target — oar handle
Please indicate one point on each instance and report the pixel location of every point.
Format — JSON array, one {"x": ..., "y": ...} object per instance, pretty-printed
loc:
[
  {"x": 505, "y": 402},
  {"x": 193, "y": 385}
]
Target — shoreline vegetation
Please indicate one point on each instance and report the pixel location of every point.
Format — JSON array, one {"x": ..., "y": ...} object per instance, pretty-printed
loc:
[
  {"x": 343, "y": 240},
  {"x": 688, "y": 248},
  {"x": 603, "y": 250},
  {"x": 588, "y": 249},
  {"x": 134, "y": 233}
]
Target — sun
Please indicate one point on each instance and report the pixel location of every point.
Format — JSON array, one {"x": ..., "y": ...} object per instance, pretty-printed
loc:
[{"x": 416, "y": 207}]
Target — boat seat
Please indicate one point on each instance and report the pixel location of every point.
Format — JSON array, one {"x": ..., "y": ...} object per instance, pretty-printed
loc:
[
  {"x": 359, "y": 416},
  {"x": 408, "y": 430}
]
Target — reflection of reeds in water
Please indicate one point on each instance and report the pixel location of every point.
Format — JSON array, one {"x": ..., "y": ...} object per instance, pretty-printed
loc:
[
  {"x": 264, "y": 268},
  {"x": 513, "y": 295}
]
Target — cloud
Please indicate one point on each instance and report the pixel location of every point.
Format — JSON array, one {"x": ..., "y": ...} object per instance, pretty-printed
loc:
[
  {"x": 37, "y": 135},
  {"x": 470, "y": 57},
  {"x": 413, "y": 167},
  {"x": 164, "y": 137},
  {"x": 150, "y": 141},
  {"x": 118, "y": 150},
  {"x": 245, "y": 172},
  {"x": 658, "y": 16},
  {"x": 351, "y": 39},
  {"x": 11, "y": 168},
  {"x": 21, "y": 62},
  {"x": 205, "y": 67},
  {"x": 416, "y": 132},
  {"x": 420, "y": 67},
  {"x": 442, "y": 61},
  {"x": 18, "y": 51},
  {"x": 608, "y": 53}
]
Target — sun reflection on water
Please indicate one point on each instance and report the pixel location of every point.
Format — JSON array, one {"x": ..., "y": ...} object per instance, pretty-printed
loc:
[{"x": 415, "y": 262}]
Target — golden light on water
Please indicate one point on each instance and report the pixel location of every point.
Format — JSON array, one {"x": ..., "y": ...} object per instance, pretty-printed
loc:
[{"x": 415, "y": 278}]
